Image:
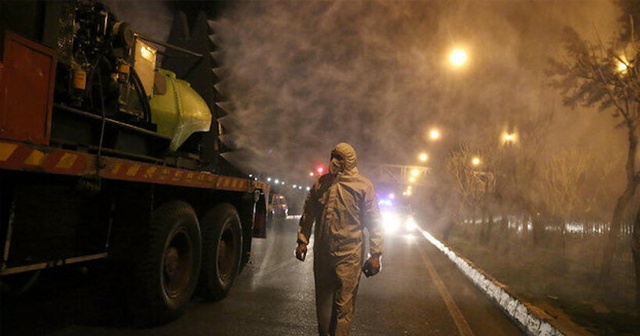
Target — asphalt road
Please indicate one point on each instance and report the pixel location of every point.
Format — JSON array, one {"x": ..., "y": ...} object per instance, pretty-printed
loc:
[{"x": 418, "y": 292}]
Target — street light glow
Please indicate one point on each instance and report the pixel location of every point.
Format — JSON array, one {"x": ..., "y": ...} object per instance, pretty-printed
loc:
[
  {"x": 423, "y": 157},
  {"x": 622, "y": 64},
  {"x": 458, "y": 57},
  {"x": 434, "y": 134},
  {"x": 475, "y": 161},
  {"x": 509, "y": 138},
  {"x": 407, "y": 192},
  {"x": 622, "y": 67}
]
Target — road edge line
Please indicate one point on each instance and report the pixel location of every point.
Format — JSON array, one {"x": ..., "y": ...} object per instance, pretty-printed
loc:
[
  {"x": 532, "y": 321},
  {"x": 452, "y": 307}
]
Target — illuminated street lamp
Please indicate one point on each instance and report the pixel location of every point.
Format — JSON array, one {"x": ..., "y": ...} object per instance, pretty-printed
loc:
[
  {"x": 622, "y": 67},
  {"x": 434, "y": 134},
  {"x": 458, "y": 57},
  {"x": 622, "y": 64},
  {"x": 423, "y": 157},
  {"x": 475, "y": 161},
  {"x": 509, "y": 138},
  {"x": 407, "y": 192}
]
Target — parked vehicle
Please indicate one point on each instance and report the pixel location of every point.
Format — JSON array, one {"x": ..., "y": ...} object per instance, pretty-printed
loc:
[
  {"x": 278, "y": 207},
  {"x": 103, "y": 156}
]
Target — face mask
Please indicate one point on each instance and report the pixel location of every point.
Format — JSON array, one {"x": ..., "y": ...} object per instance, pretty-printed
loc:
[{"x": 336, "y": 166}]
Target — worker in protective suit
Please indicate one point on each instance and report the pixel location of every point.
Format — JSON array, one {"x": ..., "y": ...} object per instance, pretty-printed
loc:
[{"x": 342, "y": 203}]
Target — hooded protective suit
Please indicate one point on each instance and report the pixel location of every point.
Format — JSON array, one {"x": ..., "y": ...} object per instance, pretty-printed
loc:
[{"x": 341, "y": 204}]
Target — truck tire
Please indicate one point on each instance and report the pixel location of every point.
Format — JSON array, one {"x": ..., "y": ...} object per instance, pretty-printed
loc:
[
  {"x": 167, "y": 274},
  {"x": 221, "y": 251}
]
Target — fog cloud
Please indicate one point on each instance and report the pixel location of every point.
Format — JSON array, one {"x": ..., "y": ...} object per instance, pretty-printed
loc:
[{"x": 304, "y": 75}]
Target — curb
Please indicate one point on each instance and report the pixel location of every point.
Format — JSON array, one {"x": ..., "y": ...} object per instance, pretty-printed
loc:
[{"x": 534, "y": 321}]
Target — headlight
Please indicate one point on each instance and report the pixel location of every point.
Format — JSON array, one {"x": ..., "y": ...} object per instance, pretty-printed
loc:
[{"x": 390, "y": 221}]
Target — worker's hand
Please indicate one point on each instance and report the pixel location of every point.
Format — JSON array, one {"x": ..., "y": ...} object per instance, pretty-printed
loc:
[
  {"x": 301, "y": 251},
  {"x": 372, "y": 266}
]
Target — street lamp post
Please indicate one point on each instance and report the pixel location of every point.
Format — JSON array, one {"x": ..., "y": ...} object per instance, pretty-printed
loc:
[{"x": 507, "y": 178}]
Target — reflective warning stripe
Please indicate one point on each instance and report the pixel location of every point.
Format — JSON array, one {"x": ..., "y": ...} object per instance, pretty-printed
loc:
[
  {"x": 17, "y": 156},
  {"x": 6, "y": 150},
  {"x": 36, "y": 158}
]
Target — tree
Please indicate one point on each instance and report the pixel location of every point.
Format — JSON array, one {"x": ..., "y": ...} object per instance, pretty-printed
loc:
[
  {"x": 474, "y": 184},
  {"x": 608, "y": 77}
]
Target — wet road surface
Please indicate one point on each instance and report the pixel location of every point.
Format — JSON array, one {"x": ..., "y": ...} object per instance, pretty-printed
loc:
[{"x": 418, "y": 292}]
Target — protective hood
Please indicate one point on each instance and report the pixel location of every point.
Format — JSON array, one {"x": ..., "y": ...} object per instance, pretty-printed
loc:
[{"x": 347, "y": 152}]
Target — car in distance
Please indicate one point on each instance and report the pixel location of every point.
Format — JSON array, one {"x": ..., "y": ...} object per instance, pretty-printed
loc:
[
  {"x": 278, "y": 207},
  {"x": 399, "y": 220}
]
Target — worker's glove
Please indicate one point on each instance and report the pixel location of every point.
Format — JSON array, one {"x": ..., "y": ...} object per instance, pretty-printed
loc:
[
  {"x": 372, "y": 266},
  {"x": 301, "y": 251}
]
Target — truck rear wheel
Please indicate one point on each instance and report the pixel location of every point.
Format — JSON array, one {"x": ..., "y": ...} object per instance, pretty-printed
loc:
[
  {"x": 221, "y": 251},
  {"x": 168, "y": 272}
]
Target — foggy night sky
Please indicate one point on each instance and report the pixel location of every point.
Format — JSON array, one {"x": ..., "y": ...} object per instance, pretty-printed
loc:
[{"x": 305, "y": 75}]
